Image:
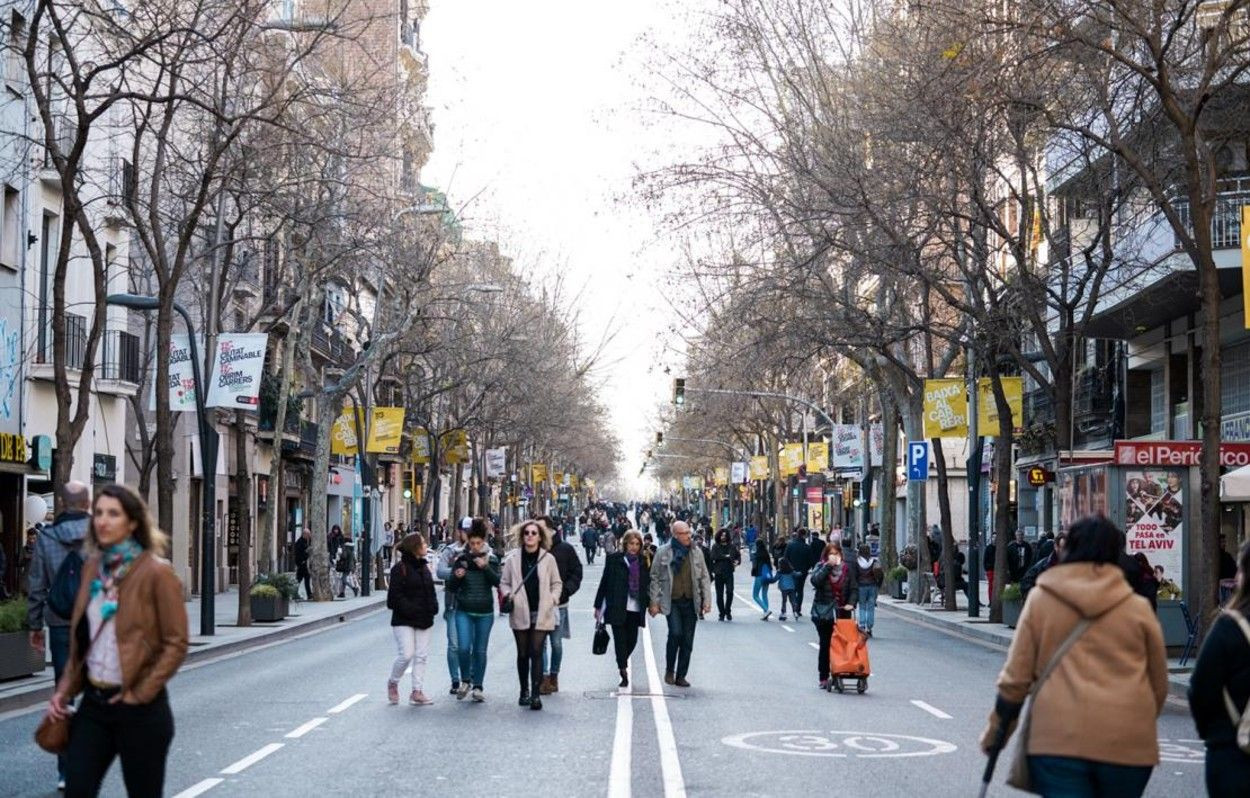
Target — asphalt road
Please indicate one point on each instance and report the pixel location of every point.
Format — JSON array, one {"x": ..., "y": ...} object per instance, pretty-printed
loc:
[{"x": 308, "y": 717}]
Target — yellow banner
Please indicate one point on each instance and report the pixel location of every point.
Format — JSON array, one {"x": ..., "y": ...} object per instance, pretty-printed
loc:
[
  {"x": 721, "y": 476},
  {"x": 1245, "y": 264},
  {"x": 420, "y": 445},
  {"x": 538, "y": 473},
  {"x": 343, "y": 434},
  {"x": 987, "y": 407},
  {"x": 386, "y": 427},
  {"x": 759, "y": 466},
  {"x": 817, "y": 456},
  {"x": 791, "y": 458},
  {"x": 573, "y": 481},
  {"x": 557, "y": 477},
  {"x": 455, "y": 446},
  {"x": 945, "y": 408}
]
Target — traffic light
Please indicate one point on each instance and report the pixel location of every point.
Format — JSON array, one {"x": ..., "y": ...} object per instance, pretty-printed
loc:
[
  {"x": 679, "y": 391},
  {"x": 659, "y": 438}
]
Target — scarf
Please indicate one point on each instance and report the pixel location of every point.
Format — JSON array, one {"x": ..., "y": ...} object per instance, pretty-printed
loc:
[
  {"x": 864, "y": 564},
  {"x": 837, "y": 581},
  {"x": 635, "y": 574},
  {"x": 115, "y": 562},
  {"x": 679, "y": 554}
]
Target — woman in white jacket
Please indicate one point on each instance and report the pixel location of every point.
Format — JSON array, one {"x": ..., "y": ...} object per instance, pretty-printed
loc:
[{"x": 531, "y": 581}]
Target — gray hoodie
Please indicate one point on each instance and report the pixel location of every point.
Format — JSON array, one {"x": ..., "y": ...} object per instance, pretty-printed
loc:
[
  {"x": 53, "y": 544},
  {"x": 443, "y": 571}
]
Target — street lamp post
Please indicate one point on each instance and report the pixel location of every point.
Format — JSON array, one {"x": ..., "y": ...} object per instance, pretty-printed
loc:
[{"x": 208, "y": 464}]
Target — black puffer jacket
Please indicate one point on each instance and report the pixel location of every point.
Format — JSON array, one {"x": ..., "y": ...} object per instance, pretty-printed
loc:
[
  {"x": 1223, "y": 664},
  {"x": 725, "y": 557},
  {"x": 475, "y": 591},
  {"x": 411, "y": 597},
  {"x": 570, "y": 568}
]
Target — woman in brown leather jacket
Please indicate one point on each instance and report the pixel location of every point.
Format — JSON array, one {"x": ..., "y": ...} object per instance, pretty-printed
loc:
[{"x": 128, "y": 637}]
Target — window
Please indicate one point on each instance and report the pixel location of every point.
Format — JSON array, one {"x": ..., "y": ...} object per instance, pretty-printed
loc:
[
  {"x": 15, "y": 58},
  {"x": 1158, "y": 404},
  {"x": 47, "y": 267},
  {"x": 1235, "y": 379},
  {"x": 110, "y": 269},
  {"x": 11, "y": 228}
]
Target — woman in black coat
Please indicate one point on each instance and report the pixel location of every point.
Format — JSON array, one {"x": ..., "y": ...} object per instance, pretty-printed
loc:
[
  {"x": 621, "y": 600},
  {"x": 1223, "y": 669},
  {"x": 413, "y": 605}
]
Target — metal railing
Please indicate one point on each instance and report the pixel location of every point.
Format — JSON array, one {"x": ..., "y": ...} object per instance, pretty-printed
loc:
[
  {"x": 1231, "y": 194},
  {"x": 75, "y": 342},
  {"x": 121, "y": 356}
]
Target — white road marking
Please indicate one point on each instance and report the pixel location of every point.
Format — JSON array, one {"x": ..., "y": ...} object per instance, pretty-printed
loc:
[
  {"x": 815, "y": 646},
  {"x": 787, "y": 628},
  {"x": 306, "y": 728},
  {"x": 347, "y": 704},
  {"x": 840, "y": 744},
  {"x": 670, "y": 765},
  {"x": 251, "y": 759},
  {"x": 751, "y": 605},
  {"x": 200, "y": 788},
  {"x": 622, "y": 744},
  {"x": 932, "y": 710}
]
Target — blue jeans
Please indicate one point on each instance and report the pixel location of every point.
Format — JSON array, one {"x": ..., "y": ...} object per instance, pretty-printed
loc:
[
  {"x": 473, "y": 634},
  {"x": 867, "y": 610},
  {"x": 681, "y": 620},
  {"x": 760, "y": 592},
  {"x": 551, "y": 662},
  {"x": 1069, "y": 777},
  {"x": 453, "y": 647},
  {"x": 58, "y": 645}
]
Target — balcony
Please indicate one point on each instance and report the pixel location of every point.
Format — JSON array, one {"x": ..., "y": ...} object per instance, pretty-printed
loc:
[
  {"x": 1231, "y": 194},
  {"x": 75, "y": 342},
  {"x": 120, "y": 360},
  {"x": 1038, "y": 409},
  {"x": 330, "y": 345}
]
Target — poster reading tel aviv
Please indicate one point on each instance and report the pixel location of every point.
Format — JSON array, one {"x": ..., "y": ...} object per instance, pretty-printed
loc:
[{"x": 1154, "y": 520}]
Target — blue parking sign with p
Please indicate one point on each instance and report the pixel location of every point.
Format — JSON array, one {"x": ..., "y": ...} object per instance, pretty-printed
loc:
[{"x": 917, "y": 461}]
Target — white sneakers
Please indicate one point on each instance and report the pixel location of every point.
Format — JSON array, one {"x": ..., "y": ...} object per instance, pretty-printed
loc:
[{"x": 478, "y": 695}]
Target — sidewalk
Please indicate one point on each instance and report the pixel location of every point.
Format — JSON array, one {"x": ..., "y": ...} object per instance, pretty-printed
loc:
[
  {"x": 995, "y": 635},
  {"x": 305, "y": 617}
]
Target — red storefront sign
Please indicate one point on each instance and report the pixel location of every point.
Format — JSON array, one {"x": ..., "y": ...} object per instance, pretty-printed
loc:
[
  {"x": 815, "y": 494},
  {"x": 1177, "y": 453}
]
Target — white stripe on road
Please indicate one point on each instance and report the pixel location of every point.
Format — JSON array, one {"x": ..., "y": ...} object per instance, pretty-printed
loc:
[
  {"x": 749, "y": 602},
  {"x": 787, "y": 628},
  {"x": 622, "y": 744},
  {"x": 932, "y": 710},
  {"x": 815, "y": 646},
  {"x": 670, "y": 765},
  {"x": 347, "y": 704},
  {"x": 306, "y": 728},
  {"x": 251, "y": 759},
  {"x": 199, "y": 789}
]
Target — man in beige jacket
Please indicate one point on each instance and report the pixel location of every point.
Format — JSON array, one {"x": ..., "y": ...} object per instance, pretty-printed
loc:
[{"x": 681, "y": 589}]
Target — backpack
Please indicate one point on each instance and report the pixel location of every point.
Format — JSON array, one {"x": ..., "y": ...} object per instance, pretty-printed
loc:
[
  {"x": 1240, "y": 724},
  {"x": 63, "y": 591}
]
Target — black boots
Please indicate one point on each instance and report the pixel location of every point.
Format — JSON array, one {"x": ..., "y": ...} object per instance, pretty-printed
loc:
[{"x": 624, "y": 678}]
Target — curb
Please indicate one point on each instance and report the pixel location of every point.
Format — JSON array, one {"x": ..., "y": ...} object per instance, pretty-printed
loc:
[{"x": 38, "y": 695}]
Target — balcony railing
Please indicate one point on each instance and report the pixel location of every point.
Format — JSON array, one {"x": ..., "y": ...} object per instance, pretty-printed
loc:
[
  {"x": 121, "y": 356},
  {"x": 1091, "y": 393},
  {"x": 331, "y": 344},
  {"x": 75, "y": 342},
  {"x": 1231, "y": 194}
]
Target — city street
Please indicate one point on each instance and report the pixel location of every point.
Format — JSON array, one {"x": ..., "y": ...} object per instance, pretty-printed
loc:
[{"x": 309, "y": 716}]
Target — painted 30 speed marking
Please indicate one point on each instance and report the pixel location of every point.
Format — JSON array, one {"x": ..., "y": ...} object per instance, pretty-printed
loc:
[{"x": 843, "y": 744}]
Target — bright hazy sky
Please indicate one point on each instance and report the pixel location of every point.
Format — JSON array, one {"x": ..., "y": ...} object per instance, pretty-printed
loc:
[{"x": 539, "y": 124}]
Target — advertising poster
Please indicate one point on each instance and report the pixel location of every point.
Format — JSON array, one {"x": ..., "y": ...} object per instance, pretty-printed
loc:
[
  {"x": 791, "y": 458},
  {"x": 1154, "y": 519},
  {"x": 181, "y": 376},
  {"x": 848, "y": 447},
  {"x": 454, "y": 445},
  {"x": 759, "y": 466},
  {"x": 237, "y": 366},
  {"x": 538, "y": 473},
  {"x": 496, "y": 462},
  {"x": 987, "y": 406},
  {"x": 343, "y": 434},
  {"x": 945, "y": 408},
  {"x": 420, "y": 445},
  {"x": 386, "y": 427},
  {"x": 817, "y": 456},
  {"x": 738, "y": 473},
  {"x": 721, "y": 476}
]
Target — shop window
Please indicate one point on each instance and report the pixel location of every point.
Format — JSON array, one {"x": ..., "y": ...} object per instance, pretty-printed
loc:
[{"x": 1235, "y": 379}]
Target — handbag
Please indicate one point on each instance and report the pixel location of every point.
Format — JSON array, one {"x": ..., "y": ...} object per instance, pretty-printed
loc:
[
  {"x": 53, "y": 735},
  {"x": 600, "y": 645},
  {"x": 1019, "y": 777},
  {"x": 506, "y": 604}
]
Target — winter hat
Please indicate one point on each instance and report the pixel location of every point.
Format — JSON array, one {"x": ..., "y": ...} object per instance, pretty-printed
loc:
[{"x": 466, "y": 523}]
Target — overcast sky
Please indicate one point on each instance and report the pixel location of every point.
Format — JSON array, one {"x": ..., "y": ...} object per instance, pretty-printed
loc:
[{"x": 539, "y": 127}]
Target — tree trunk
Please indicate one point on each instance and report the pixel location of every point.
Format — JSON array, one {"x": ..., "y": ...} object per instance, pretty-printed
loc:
[
  {"x": 889, "y": 467},
  {"x": 949, "y": 577},
  {"x": 165, "y": 421},
  {"x": 1204, "y": 598},
  {"x": 328, "y": 407},
  {"x": 243, "y": 511},
  {"x": 916, "y": 501}
]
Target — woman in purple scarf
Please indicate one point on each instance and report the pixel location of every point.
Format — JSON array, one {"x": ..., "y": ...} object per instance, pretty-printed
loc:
[{"x": 621, "y": 600}]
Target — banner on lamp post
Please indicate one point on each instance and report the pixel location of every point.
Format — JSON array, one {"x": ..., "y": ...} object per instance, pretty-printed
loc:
[
  {"x": 237, "y": 366},
  {"x": 759, "y": 466},
  {"x": 945, "y": 408},
  {"x": 738, "y": 473},
  {"x": 538, "y": 473},
  {"x": 343, "y": 440},
  {"x": 420, "y": 446},
  {"x": 496, "y": 462},
  {"x": 791, "y": 458},
  {"x": 987, "y": 406},
  {"x": 386, "y": 427},
  {"x": 181, "y": 376},
  {"x": 455, "y": 446},
  {"x": 848, "y": 447},
  {"x": 817, "y": 456}
]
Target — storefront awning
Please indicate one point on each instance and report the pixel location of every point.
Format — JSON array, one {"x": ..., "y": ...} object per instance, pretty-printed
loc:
[
  {"x": 1173, "y": 297},
  {"x": 1235, "y": 485}
]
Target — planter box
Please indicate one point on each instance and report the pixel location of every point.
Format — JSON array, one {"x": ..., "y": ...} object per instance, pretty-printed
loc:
[
  {"x": 896, "y": 589},
  {"x": 1011, "y": 613},
  {"x": 268, "y": 609},
  {"x": 17, "y": 658}
]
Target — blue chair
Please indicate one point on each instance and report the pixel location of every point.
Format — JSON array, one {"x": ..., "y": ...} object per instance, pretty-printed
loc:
[{"x": 1192, "y": 641}]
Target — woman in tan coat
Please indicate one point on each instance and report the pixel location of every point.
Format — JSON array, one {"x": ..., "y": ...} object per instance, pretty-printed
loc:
[
  {"x": 531, "y": 579},
  {"x": 128, "y": 635},
  {"x": 1094, "y": 721}
]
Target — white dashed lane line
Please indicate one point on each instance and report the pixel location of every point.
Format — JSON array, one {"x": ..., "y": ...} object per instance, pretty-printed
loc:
[
  {"x": 815, "y": 646},
  {"x": 200, "y": 788},
  {"x": 347, "y": 704},
  {"x": 787, "y": 628},
  {"x": 932, "y": 710},
  {"x": 306, "y": 728},
  {"x": 251, "y": 759}
]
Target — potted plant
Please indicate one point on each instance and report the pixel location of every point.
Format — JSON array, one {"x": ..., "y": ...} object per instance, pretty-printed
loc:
[
  {"x": 17, "y": 658},
  {"x": 897, "y": 577},
  {"x": 1012, "y": 602},
  {"x": 267, "y": 603}
]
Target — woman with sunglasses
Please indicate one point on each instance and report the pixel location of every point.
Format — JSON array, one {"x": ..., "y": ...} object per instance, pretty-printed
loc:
[{"x": 531, "y": 580}]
